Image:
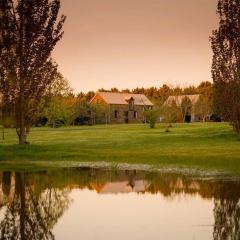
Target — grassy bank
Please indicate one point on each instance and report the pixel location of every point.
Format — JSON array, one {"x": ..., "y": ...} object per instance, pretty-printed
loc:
[{"x": 206, "y": 146}]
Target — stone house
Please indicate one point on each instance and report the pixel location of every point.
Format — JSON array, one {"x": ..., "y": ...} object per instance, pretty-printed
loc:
[
  {"x": 178, "y": 100},
  {"x": 123, "y": 107}
]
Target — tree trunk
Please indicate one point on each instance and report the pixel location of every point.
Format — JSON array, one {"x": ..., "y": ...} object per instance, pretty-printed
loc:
[
  {"x": 236, "y": 127},
  {"x": 22, "y": 136},
  {"x": 203, "y": 118},
  {"x": 22, "y": 130}
]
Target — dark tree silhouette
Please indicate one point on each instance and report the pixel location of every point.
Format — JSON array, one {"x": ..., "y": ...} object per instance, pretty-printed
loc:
[
  {"x": 226, "y": 62},
  {"x": 29, "y": 30},
  {"x": 31, "y": 214},
  {"x": 227, "y": 219}
]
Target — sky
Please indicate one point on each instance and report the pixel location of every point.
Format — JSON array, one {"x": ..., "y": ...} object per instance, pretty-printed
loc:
[{"x": 136, "y": 43}]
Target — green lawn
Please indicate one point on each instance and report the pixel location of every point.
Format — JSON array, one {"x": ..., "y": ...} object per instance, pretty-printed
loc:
[{"x": 203, "y": 146}]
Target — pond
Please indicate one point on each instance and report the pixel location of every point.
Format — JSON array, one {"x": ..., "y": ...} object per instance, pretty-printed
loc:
[{"x": 87, "y": 203}]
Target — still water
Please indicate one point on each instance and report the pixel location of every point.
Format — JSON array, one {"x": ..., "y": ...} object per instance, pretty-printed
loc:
[{"x": 87, "y": 203}]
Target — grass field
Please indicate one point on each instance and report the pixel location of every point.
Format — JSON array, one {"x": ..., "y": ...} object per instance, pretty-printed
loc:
[{"x": 211, "y": 146}]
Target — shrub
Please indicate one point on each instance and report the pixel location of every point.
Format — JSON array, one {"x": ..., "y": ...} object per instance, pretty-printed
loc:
[{"x": 151, "y": 116}]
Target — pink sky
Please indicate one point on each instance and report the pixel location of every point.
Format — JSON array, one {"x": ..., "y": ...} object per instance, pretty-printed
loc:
[{"x": 135, "y": 43}]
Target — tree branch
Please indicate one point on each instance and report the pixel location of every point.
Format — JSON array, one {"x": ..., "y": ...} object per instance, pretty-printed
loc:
[{"x": 14, "y": 15}]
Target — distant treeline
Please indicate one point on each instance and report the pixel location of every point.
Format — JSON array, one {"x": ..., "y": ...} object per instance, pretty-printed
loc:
[
  {"x": 157, "y": 95},
  {"x": 75, "y": 109},
  {"x": 60, "y": 106}
]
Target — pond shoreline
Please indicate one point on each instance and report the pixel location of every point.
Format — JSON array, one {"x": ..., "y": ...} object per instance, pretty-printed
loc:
[{"x": 32, "y": 166}]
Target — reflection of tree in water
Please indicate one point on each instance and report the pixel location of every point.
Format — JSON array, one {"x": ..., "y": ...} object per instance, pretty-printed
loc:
[
  {"x": 227, "y": 219},
  {"x": 227, "y": 212},
  {"x": 32, "y": 214},
  {"x": 40, "y": 199},
  {"x": 226, "y": 195}
]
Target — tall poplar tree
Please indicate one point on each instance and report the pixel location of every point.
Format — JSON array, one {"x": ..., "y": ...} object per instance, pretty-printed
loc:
[
  {"x": 226, "y": 62},
  {"x": 29, "y": 31}
]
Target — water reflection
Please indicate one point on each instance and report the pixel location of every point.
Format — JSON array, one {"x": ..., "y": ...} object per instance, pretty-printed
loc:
[
  {"x": 31, "y": 211},
  {"x": 31, "y": 204}
]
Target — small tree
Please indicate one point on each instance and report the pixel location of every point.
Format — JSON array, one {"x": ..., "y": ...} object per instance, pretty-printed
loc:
[
  {"x": 185, "y": 108},
  {"x": 152, "y": 116},
  {"x": 58, "y": 112},
  {"x": 169, "y": 113},
  {"x": 203, "y": 107},
  {"x": 83, "y": 113},
  {"x": 101, "y": 113}
]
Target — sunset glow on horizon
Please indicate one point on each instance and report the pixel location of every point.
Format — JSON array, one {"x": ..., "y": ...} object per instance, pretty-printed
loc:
[{"x": 136, "y": 43}]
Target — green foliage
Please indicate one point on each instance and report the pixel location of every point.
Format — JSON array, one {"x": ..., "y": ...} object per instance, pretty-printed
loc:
[
  {"x": 59, "y": 87},
  {"x": 8, "y": 122},
  {"x": 29, "y": 31},
  {"x": 101, "y": 113},
  {"x": 203, "y": 107},
  {"x": 82, "y": 113},
  {"x": 152, "y": 116},
  {"x": 226, "y": 62},
  {"x": 185, "y": 108},
  {"x": 58, "y": 113},
  {"x": 169, "y": 113}
]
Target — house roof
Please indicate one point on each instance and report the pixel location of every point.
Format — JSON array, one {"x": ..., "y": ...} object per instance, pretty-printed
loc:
[
  {"x": 123, "y": 98},
  {"x": 122, "y": 187},
  {"x": 178, "y": 99}
]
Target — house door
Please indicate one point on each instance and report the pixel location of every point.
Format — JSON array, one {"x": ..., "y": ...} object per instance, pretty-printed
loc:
[
  {"x": 126, "y": 119},
  {"x": 188, "y": 118}
]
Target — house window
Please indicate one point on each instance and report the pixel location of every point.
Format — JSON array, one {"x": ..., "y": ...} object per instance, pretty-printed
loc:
[
  {"x": 135, "y": 115},
  {"x": 116, "y": 114}
]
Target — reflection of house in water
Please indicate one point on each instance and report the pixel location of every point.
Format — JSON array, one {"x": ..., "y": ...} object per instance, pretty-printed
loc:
[
  {"x": 45, "y": 196},
  {"x": 121, "y": 187},
  {"x": 181, "y": 185}
]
